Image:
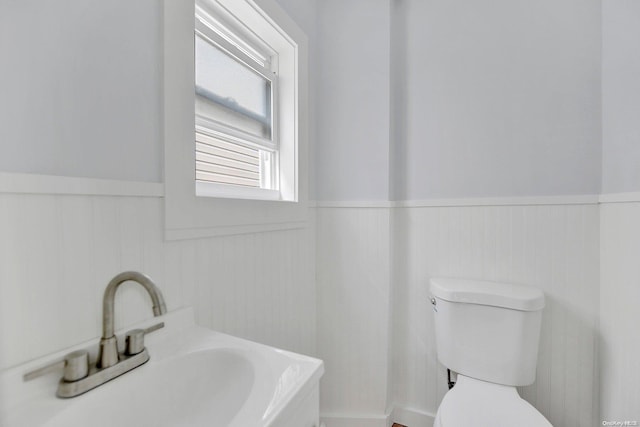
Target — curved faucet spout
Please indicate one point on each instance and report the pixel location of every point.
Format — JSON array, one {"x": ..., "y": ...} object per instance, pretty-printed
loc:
[{"x": 108, "y": 348}]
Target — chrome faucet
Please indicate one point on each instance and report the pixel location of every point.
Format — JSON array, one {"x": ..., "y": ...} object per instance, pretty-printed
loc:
[
  {"x": 108, "y": 345},
  {"x": 80, "y": 377}
]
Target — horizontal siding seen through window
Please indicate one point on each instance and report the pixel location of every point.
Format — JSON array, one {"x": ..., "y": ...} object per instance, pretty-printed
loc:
[{"x": 225, "y": 162}]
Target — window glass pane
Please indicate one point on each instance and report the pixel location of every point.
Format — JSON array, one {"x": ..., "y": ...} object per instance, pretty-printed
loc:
[{"x": 231, "y": 92}]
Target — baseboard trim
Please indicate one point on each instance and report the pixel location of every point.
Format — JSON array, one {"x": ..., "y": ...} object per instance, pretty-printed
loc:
[
  {"x": 411, "y": 417},
  {"x": 354, "y": 420}
]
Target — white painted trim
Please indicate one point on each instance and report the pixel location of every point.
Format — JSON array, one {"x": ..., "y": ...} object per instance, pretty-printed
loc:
[
  {"x": 351, "y": 420},
  {"x": 355, "y": 204},
  {"x": 620, "y": 197},
  {"x": 227, "y": 230},
  {"x": 187, "y": 215},
  {"x": 587, "y": 199},
  {"x": 406, "y": 416},
  {"x": 213, "y": 189},
  {"x": 411, "y": 417},
  {"x": 11, "y": 182}
]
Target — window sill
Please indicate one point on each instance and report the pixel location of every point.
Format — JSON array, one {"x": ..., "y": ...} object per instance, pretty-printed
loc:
[{"x": 207, "y": 189}]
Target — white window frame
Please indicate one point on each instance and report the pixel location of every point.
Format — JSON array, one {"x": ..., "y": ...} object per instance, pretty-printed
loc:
[{"x": 189, "y": 216}]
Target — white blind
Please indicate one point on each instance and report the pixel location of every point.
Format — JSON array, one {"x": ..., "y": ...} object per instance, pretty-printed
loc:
[{"x": 224, "y": 162}]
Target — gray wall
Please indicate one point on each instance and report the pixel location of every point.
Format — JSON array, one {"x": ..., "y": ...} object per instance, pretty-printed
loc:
[
  {"x": 352, "y": 153},
  {"x": 81, "y": 88},
  {"x": 504, "y": 99},
  {"x": 620, "y": 96},
  {"x": 486, "y": 99}
]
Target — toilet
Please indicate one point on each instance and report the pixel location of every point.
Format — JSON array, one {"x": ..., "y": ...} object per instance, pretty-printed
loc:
[{"x": 487, "y": 333}]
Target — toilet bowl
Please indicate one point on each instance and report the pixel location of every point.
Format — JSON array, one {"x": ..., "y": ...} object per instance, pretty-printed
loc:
[{"x": 478, "y": 403}]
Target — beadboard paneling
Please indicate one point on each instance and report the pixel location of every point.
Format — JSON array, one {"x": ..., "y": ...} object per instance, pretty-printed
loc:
[
  {"x": 619, "y": 313},
  {"x": 58, "y": 252},
  {"x": 353, "y": 311},
  {"x": 554, "y": 247}
]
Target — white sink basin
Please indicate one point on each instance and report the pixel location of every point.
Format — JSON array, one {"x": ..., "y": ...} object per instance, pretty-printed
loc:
[
  {"x": 188, "y": 390},
  {"x": 196, "y": 377}
]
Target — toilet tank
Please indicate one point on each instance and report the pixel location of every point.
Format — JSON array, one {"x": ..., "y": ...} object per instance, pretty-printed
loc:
[{"x": 488, "y": 330}]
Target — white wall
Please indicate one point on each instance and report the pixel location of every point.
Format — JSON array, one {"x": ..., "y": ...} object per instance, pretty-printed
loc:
[
  {"x": 620, "y": 96},
  {"x": 58, "y": 252},
  {"x": 81, "y": 88}
]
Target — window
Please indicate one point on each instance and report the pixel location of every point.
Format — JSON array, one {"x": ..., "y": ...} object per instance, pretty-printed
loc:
[
  {"x": 236, "y": 112},
  {"x": 235, "y": 118}
]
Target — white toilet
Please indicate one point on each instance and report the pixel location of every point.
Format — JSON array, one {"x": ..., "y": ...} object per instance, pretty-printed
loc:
[{"x": 488, "y": 334}]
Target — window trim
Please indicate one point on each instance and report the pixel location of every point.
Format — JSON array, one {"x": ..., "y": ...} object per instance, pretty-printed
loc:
[{"x": 188, "y": 216}]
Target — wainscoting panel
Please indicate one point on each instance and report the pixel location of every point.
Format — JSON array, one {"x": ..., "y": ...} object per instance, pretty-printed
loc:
[
  {"x": 372, "y": 266},
  {"x": 620, "y": 312},
  {"x": 554, "y": 248},
  {"x": 58, "y": 252},
  {"x": 353, "y": 314}
]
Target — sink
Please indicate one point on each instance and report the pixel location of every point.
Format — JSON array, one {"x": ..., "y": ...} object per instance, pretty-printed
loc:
[
  {"x": 220, "y": 379},
  {"x": 195, "y": 377}
]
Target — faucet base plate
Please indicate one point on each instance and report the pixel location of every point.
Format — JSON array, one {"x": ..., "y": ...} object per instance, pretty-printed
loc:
[{"x": 99, "y": 376}]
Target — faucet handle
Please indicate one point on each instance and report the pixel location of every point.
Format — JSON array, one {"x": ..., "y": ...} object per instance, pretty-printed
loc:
[
  {"x": 154, "y": 328},
  {"x": 135, "y": 338},
  {"x": 75, "y": 364}
]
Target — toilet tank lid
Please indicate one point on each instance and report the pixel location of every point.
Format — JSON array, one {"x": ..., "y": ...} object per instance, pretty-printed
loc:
[{"x": 507, "y": 295}]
